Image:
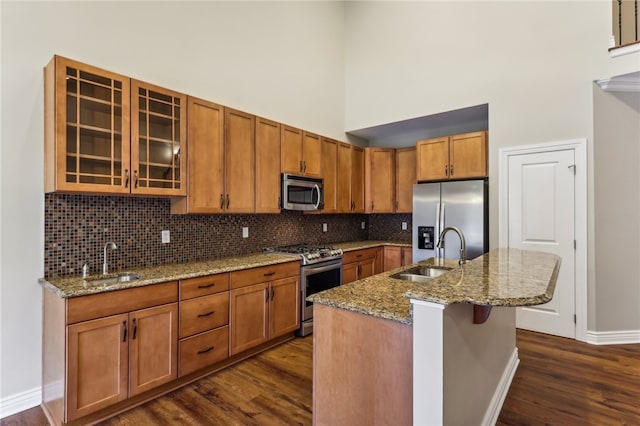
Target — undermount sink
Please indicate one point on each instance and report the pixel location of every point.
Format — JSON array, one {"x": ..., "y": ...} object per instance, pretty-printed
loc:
[
  {"x": 421, "y": 274},
  {"x": 121, "y": 278}
]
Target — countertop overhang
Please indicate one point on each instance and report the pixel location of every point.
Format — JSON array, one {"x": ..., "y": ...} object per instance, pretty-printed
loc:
[{"x": 502, "y": 277}]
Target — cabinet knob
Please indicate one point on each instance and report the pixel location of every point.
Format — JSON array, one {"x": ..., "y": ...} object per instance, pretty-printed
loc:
[
  {"x": 227, "y": 201},
  {"x": 452, "y": 170},
  {"x": 221, "y": 200},
  {"x": 126, "y": 178},
  {"x": 135, "y": 178},
  {"x": 446, "y": 170}
]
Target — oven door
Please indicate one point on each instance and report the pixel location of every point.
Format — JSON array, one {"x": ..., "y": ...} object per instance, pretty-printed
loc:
[{"x": 317, "y": 278}]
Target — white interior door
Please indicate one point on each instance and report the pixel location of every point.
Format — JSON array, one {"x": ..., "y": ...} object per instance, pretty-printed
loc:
[{"x": 541, "y": 215}]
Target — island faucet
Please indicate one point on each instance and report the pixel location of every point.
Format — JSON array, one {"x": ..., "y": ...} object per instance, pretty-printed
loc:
[
  {"x": 105, "y": 268},
  {"x": 463, "y": 249}
]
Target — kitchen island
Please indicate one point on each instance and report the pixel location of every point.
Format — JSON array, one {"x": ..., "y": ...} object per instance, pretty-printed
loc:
[{"x": 390, "y": 351}]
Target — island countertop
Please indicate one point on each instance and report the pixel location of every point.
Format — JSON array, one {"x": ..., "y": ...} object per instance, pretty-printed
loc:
[{"x": 502, "y": 277}]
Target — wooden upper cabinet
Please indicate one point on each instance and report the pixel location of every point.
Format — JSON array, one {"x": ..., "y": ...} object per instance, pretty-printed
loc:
[
  {"x": 311, "y": 154},
  {"x": 267, "y": 166},
  {"x": 300, "y": 152},
  {"x": 330, "y": 175},
  {"x": 205, "y": 159},
  {"x": 87, "y": 128},
  {"x": 158, "y": 140},
  {"x": 343, "y": 179},
  {"x": 239, "y": 162},
  {"x": 405, "y": 178},
  {"x": 357, "y": 179},
  {"x": 106, "y": 133},
  {"x": 468, "y": 154},
  {"x": 380, "y": 180},
  {"x": 454, "y": 157}
]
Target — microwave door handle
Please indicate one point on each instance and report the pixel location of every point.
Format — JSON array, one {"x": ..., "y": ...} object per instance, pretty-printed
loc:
[{"x": 317, "y": 188}]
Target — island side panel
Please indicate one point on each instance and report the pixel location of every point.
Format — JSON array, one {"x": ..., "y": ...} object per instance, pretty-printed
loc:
[
  {"x": 477, "y": 359},
  {"x": 362, "y": 369},
  {"x": 53, "y": 356}
]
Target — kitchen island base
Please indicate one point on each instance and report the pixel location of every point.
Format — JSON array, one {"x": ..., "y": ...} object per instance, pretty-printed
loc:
[{"x": 362, "y": 369}]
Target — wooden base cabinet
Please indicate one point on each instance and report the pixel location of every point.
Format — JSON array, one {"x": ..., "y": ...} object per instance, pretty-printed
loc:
[
  {"x": 359, "y": 264},
  {"x": 119, "y": 344},
  {"x": 264, "y": 304},
  {"x": 396, "y": 256}
]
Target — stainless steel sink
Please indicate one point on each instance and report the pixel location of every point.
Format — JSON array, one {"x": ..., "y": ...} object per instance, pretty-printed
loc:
[
  {"x": 121, "y": 278},
  {"x": 421, "y": 274}
]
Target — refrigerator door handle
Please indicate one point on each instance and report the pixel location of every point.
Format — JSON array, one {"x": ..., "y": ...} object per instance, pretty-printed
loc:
[
  {"x": 441, "y": 226},
  {"x": 437, "y": 233}
]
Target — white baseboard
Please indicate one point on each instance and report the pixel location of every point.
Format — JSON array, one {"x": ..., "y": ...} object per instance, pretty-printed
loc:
[
  {"x": 493, "y": 411},
  {"x": 613, "y": 337},
  {"x": 19, "y": 402}
]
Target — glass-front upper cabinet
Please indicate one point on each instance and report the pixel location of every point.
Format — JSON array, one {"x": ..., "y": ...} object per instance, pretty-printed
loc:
[
  {"x": 86, "y": 128},
  {"x": 158, "y": 135},
  {"x": 107, "y": 133}
]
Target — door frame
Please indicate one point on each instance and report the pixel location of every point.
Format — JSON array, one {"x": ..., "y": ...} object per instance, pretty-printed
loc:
[{"x": 579, "y": 146}]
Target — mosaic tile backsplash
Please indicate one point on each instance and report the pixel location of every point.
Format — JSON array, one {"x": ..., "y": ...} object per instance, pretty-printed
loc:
[{"x": 78, "y": 226}]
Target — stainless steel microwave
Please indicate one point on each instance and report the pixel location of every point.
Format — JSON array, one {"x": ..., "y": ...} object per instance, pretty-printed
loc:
[{"x": 301, "y": 193}]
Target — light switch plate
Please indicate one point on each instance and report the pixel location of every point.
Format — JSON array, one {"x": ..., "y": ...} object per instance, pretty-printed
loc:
[
  {"x": 362, "y": 225},
  {"x": 166, "y": 236},
  {"x": 324, "y": 227},
  {"x": 404, "y": 226},
  {"x": 245, "y": 232}
]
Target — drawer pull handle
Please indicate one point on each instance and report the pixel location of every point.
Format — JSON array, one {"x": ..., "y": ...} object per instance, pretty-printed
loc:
[
  {"x": 268, "y": 274},
  {"x": 206, "y": 315},
  {"x": 206, "y": 285},
  {"x": 359, "y": 255},
  {"x": 204, "y": 351}
]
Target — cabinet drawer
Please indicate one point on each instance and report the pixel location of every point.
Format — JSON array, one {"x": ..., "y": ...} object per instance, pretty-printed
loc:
[
  {"x": 203, "y": 350},
  {"x": 100, "y": 305},
  {"x": 203, "y": 313},
  {"x": 202, "y": 286},
  {"x": 264, "y": 274},
  {"x": 358, "y": 255}
]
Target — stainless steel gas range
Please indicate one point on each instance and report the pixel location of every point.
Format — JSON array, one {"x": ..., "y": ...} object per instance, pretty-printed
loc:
[{"x": 321, "y": 269}]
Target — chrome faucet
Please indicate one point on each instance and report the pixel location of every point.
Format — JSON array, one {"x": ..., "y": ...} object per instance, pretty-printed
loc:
[
  {"x": 105, "y": 268},
  {"x": 463, "y": 248}
]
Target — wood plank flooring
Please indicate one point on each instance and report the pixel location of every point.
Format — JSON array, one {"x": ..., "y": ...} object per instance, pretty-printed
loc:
[{"x": 558, "y": 382}]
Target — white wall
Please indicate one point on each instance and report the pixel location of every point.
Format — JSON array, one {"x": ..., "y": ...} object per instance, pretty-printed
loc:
[
  {"x": 283, "y": 61},
  {"x": 533, "y": 62}
]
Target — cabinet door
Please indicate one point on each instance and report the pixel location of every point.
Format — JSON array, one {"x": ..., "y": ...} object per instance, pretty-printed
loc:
[
  {"x": 239, "y": 162},
  {"x": 343, "y": 183},
  {"x": 284, "y": 306},
  {"x": 249, "y": 318},
  {"x": 329, "y": 174},
  {"x": 97, "y": 364},
  {"x": 291, "y": 150},
  {"x": 468, "y": 155},
  {"x": 366, "y": 268},
  {"x": 357, "y": 179},
  {"x": 405, "y": 178},
  {"x": 378, "y": 264},
  {"x": 267, "y": 166},
  {"x": 153, "y": 349},
  {"x": 433, "y": 159},
  {"x": 158, "y": 140},
  {"x": 205, "y": 159},
  {"x": 407, "y": 256},
  {"x": 380, "y": 180},
  {"x": 311, "y": 154},
  {"x": 392, "y": 257},
  {"x": 349, "y": 272},
  {"x": 87, "y": 132}
]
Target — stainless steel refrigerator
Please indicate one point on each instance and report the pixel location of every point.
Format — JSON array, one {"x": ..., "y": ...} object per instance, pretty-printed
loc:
[{"x": 463, "y": 204}]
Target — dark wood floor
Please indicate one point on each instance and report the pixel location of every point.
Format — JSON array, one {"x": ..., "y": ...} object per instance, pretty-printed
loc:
[{"x": 558, "y": 382}]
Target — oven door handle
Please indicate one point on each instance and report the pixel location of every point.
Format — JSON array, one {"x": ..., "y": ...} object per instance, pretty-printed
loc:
[{"x": 316, "y": 270}]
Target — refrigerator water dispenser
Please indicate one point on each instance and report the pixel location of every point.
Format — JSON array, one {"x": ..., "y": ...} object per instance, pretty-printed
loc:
[{"x": 425, "y": 237}]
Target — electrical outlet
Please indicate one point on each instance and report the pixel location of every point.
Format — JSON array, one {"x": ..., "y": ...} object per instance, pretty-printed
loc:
[
  {"x": 324, "y": 227},
  {"x": 245, "y": 232},
  {"x": 166, "y": 237},
  {"x": 404, "y": 226},
  {"x": 362, "y": 225}
]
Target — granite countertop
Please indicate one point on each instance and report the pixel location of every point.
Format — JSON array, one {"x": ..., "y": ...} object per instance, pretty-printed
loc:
[
  {"x": 502, "y": 277},
  {"x": 73, "y": 286}
]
